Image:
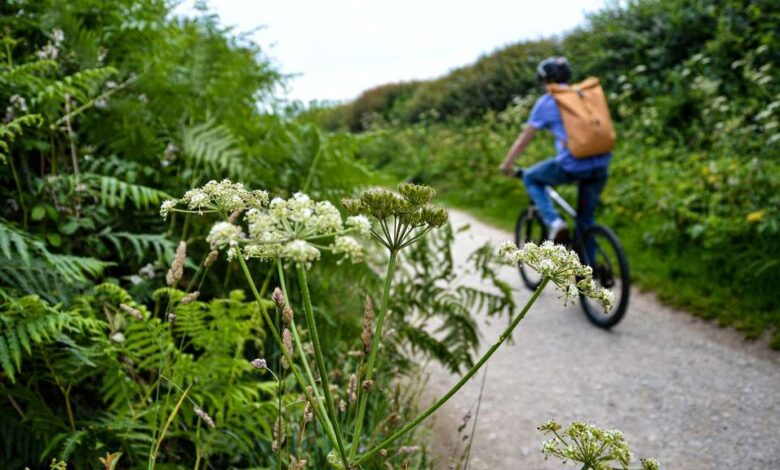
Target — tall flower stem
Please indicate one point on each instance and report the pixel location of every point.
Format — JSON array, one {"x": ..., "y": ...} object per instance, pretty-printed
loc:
[
  {"x": 315, "y": 338},
  {"x": 372, "y": 354},
  {"x": 269, "y": 322},
  {"x": 298, "y": 343},
  {"x": 413, "y": 423}
]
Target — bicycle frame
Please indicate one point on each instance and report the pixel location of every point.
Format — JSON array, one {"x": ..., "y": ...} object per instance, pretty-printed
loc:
[{"x": 561, "y": 201}]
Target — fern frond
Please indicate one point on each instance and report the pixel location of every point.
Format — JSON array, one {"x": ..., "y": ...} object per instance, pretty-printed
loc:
[
  {"x": 212, "y": 147},
  {"x": 10, "y": 130},
  {"x": 113, "y": 192},
  {"x": 141, "y": 243}
]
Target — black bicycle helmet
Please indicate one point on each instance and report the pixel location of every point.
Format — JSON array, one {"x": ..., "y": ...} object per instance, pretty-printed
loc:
[{"x": 553, "y": 70}]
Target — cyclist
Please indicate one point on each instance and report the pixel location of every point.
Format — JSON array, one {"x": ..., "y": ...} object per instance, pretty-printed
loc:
[{"x": 590, "y": 173}]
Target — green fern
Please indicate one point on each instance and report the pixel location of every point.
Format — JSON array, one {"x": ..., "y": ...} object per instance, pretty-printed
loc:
[
  {"x": 30, "y": 267},
  {"x": 211, "y": 147},
  {"x": 10, "y": 130},
  {"x": 142, "y": 244},
  {"x": 29, "y": 322},
  {"x": 111, "y": 191}
]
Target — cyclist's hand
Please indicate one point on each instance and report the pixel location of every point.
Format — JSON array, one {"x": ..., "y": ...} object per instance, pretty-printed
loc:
[{"x": 507, "y": 168}]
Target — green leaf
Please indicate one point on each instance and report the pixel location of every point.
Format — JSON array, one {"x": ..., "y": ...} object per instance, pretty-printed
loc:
[
  {"x": 54, "y": 239},
  {"x": 38, "y": 213},
  {"x": 69, "y": 227}
]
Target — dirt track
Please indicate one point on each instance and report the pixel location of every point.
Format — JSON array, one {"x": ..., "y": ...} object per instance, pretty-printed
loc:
[{"x": 684, "y": 391}]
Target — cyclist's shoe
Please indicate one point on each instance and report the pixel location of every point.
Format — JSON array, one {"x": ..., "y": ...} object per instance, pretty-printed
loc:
[{"x": 559, "y": 232}]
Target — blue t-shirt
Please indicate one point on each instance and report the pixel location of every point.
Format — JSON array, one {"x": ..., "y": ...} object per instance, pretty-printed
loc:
[{"x": 545, "y": 115}]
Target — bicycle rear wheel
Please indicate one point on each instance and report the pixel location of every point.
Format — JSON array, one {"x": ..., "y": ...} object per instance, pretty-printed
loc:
[
  {"x": 610, "y": 270},
  {"x": 530, "y": 228}
]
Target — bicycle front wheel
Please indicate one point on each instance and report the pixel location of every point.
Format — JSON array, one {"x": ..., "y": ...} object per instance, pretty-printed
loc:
[
  {"x": 530, "y": 228},
  {"x": 601, "y": 250}
]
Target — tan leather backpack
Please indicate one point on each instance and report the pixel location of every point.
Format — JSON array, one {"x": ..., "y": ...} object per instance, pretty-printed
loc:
[{"x": 586, "y": 118}]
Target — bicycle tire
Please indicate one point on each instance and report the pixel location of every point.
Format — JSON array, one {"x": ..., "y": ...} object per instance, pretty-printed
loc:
[
  {"x": 594, "y": 311},
  {"x": 528, "y": 221}
]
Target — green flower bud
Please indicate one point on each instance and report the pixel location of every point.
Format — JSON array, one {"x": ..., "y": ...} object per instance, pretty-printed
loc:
[
  {"x": 417, "y": 195},
  {"x": 435, "y": 216}
]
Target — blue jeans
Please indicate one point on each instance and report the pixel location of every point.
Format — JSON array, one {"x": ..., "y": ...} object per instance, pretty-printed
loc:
[{"x": 549, "y": 173}]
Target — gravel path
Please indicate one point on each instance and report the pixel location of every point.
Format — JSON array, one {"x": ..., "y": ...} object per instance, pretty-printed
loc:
[{"x": 686, "y": 392}]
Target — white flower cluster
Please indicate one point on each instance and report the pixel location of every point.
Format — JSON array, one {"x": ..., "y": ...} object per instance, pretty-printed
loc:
[
  {"x": 597, "y": 448},
  {"x": 52, "y": 49},
  {"x": 290, "y": 227},
  {"x": 561, "y": 266},
  {"x": 349, "y": 247},
  {"x": 217, "y": 196},
  {"x": 224, "y": 235},
  {"x": 287, "y": 228}
]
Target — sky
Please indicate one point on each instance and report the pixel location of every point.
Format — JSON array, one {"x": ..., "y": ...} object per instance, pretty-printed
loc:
[{"x": 338, "y": 48}]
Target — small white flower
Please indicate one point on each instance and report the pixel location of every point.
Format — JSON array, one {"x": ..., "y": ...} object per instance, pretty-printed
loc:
[
  {"x": 167, "y": 207},
  {"x": 224, "y": 234},
  {"x": 349, "y": 247},
  {"x": 148, "y": 271},
  {"x": 57, "y": 36},
  {"x": 48, "y": 52},
  {"x": 301, "y": 251},
  {"x": 360, "y": 223}
]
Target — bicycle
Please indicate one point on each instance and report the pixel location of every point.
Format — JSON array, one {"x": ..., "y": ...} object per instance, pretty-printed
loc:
[{"x": 609, "y": 263}]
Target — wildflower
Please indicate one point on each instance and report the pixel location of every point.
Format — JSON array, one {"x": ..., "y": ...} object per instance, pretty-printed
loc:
[
  {"x": 359, "y": 223},
  {"x": 408, "y": 449},
  {"x": 287, "y": 345},
  {"x": 349, "y": 247},
  {"x": 308, "y": 413},
  {"x": 136, "y": 279},
  {"x": 177, "y": 267},
  {"x": 148, "y": 271},
  {"x": 352, "y": 388},
  {"x": 204, "y": 416},
  {"x": 368, "y": 326},
  {"x": 278, "y": 298},
  {"x": 118, "y": 337},
  {"x": 189, "y": 298},
  {"x": 223, "y": 196},
  {"x": 279, "y": 435},
  {"x": 259, "y": 363},
  {"x": 48, "y": 52},
  {"x": 367, "y": 385},
  {"x": 101, "y": 55},
  {"x": 297, "y": 464},
  {"x": 134, "y": 312},
  {"x": 287, "y": 315},
  {"x": 342, "y": 405},
  {"x": 301, "y": 251},
  {"x": 57, "y": 36},
  {"x": 212, "y": 256},
  {"x": 410, "y": 207},
  {"x": 224, "y": 234},
  {"x": 585, "y": 443},
  {"x": 650, "y": 464},
  {"x": 561, "y": 266},
  {"x": 172, "y": 317}
]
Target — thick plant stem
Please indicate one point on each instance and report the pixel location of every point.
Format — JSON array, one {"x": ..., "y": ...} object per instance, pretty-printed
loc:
[
  {"x": 372, "y": 354},
  {"x": 413, "y": 423},
  {"x": 315, "y": 338},
  {"x": 299, "y": 344},
  {"x": 269, "y": 322}
]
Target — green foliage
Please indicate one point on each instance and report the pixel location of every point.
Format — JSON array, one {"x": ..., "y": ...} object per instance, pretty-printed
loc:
[{"x": 694, "y": 182}]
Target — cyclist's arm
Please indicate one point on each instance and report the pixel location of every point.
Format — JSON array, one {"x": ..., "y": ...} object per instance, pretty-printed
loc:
[{"x": 523, "y": 140}]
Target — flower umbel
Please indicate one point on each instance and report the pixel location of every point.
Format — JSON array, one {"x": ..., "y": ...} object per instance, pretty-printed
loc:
[
  {"x": 590, "y": 445},
  {"x": 404, "y": 216},
  {"x": 562, "y": 266}
]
